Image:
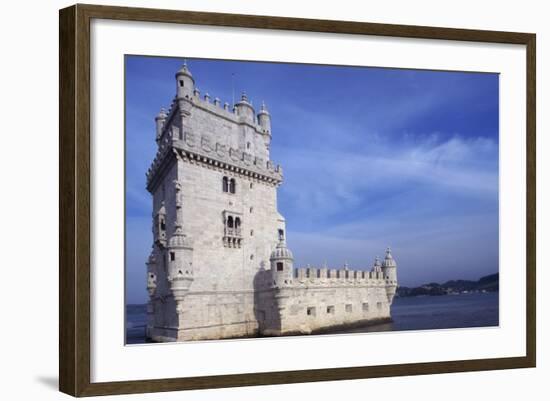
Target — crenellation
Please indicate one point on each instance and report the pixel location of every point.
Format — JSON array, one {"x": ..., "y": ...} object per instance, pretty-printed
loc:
[{"x": 324, "y": 276}]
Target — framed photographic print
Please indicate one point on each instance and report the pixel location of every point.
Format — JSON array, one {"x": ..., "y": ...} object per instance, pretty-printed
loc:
[{"x": 250, "y": 200}]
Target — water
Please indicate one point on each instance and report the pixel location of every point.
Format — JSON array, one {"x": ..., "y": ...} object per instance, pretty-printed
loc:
[
  {"x": 439, "y": 312},
  {"x": 409, "y": 313},
  {"x": 136, "y": 319}
]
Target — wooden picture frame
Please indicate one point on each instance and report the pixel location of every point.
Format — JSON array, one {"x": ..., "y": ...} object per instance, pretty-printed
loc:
[{"x": 75, "y": 206}]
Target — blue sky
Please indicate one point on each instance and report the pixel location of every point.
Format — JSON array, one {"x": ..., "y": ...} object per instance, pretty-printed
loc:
[{"x": 372, "y": 157}]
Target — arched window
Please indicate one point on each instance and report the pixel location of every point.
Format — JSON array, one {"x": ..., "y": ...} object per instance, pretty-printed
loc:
[
  {"x": 237, "y": 222},
  {"x": 225, "y": 184},
  {"x": 230, "y": 222},
  {"x": 232, "y": 185},
  {"x": 181, "y": 83}
]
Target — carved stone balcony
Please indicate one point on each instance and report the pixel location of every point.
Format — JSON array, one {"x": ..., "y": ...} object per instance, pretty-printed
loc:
[{"x": 232, "y": 237}]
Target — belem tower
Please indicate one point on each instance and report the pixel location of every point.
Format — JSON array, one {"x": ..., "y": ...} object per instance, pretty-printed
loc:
[{"x": 220, "y": 266}]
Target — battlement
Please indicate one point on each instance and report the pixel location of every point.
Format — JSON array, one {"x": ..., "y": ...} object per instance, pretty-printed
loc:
[
  {"x": 217, "y": 155},
  {"x": 260, "y": 122},
  {"x": 218, "y": 135},
  {"x": 216, "y": 108},
  {"x": 323, "y": 275}
]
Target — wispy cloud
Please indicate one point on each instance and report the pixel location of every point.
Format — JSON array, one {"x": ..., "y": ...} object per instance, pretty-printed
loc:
[{"x": 336, "y": 180}]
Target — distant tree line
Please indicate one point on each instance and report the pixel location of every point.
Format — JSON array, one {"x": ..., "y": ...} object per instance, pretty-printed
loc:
[{"x": 484, "y": 284}]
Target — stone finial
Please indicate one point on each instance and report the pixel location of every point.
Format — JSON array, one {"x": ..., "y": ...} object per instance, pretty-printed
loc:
[
  {"x": 226, "y": 106},
  {"x": 184, "y": 70},
  {"x": 197, "y": 92},
  {"x": 263, "y": 109},
  {"x": 207, "y": 97},
  {"x": 244, "y": 98},
  {"x": 162, "y": 113},
  {"x": 216, "y": 101}
]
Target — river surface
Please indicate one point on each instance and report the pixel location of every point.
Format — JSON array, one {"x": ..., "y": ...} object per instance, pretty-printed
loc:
[{"x": 409, "y": 313}]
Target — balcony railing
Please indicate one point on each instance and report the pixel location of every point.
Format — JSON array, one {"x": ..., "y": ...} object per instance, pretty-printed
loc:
[{"x": 233, "y": 232}]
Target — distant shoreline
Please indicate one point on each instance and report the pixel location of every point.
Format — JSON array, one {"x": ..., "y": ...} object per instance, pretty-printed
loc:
[{"x": 452, "y": 287}]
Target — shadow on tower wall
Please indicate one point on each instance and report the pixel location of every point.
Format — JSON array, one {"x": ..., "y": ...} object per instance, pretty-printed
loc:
[{"x": 265, "y": 309}]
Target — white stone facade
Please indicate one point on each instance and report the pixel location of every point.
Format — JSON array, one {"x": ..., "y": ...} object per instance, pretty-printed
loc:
[{"x": 219, "y": 266}]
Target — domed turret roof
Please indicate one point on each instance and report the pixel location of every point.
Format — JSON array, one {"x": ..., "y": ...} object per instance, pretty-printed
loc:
[
  {"x": 178, "y": 240},
  {"x": 263, "y": 109},
  {"x": 184, "y": 71},
  {"x": 244, "y": 101},
  {"x": 377, "y": 267},
  {"x": 281, "y": 252},
  {"x": 162, "y": 114},
  {"x": 388, "y": 260}
]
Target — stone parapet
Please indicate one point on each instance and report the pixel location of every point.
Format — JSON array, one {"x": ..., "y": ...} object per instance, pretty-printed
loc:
[{"x": 326, "y": 276}]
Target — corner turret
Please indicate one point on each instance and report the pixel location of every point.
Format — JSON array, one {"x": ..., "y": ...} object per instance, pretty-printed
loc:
[
  {"x": 244, "y": 110},
  {"x": 151, "y": 274},
  {"x": 180, "y": 256},
  {"x": 160, "y": 119},
  {"x": 180, "y": 264},
  {"x": 151, "y": 289},
  {"x": 281, "y": 264},
  {"x": 264, "y": 119},
  {"x": 377, "y": 267},
  {"x": 389, "y": 267},
  {"x": 185, "y": 83}
]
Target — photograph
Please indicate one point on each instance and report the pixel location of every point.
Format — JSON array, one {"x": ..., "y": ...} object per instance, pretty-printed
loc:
[{"x": 267, "y": 199}]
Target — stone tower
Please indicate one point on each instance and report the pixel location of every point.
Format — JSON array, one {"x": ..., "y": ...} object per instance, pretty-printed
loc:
[
  {"x": 216, "y": 230},
  {"x": 389, "y": 268},
  {"x": 215, "y": 219},
  {"x": 281, "y": 265}
]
